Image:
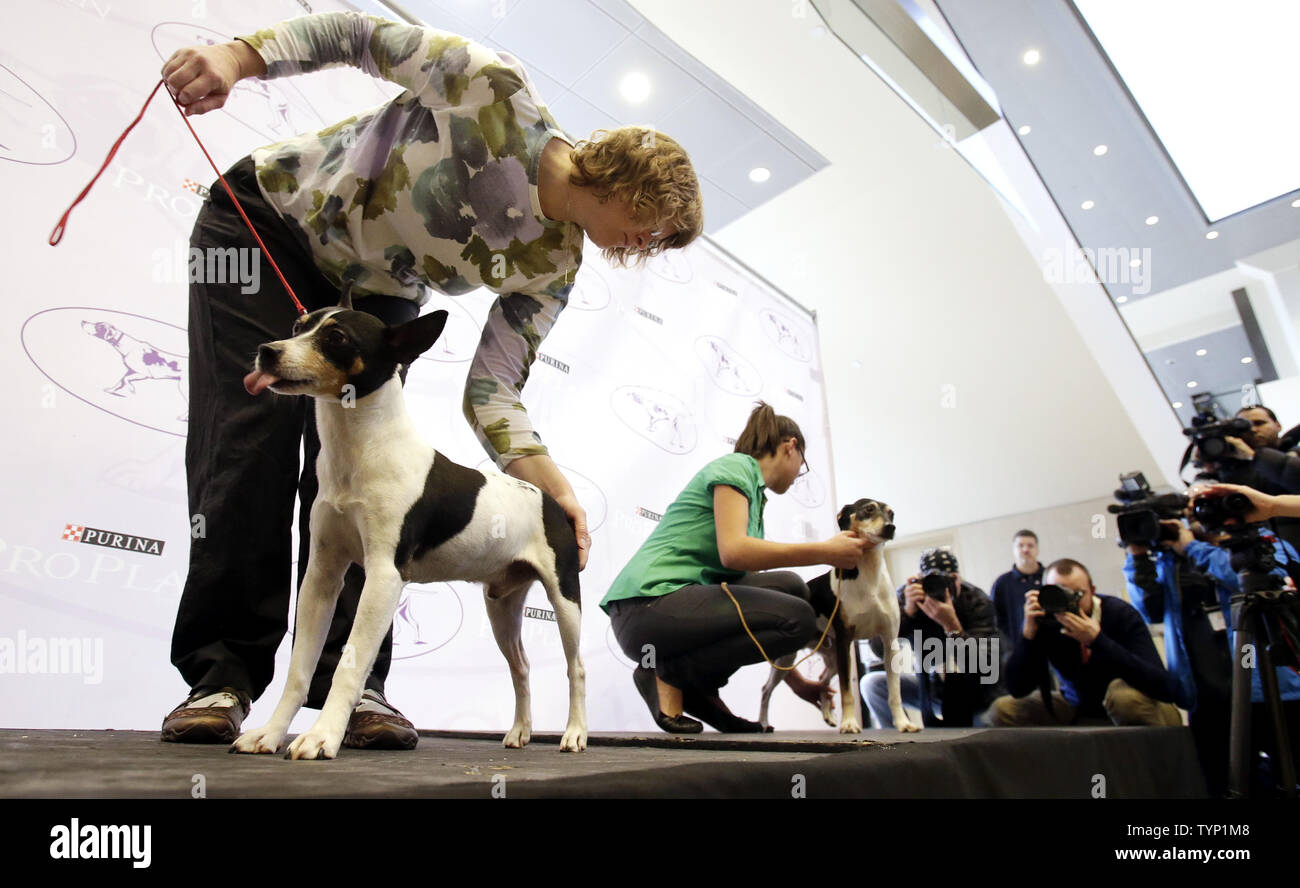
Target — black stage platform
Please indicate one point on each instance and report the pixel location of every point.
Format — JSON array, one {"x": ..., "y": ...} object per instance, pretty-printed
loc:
[{"x": 934, "y": 764}]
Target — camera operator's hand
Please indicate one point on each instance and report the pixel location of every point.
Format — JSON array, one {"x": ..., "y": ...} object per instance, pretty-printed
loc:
[
  {"x": 942, "y": 612},
  {"x": 1244, "y": 450},
  {"x": 1033, "y": 610},
  {"x": 1266, "y": 506},
  {"x": 1080, "y": 628},
  {"x": 1138, "y": 549},
  {"x": 1184, "y": 532},
  {"x": 912, "y": 596}
]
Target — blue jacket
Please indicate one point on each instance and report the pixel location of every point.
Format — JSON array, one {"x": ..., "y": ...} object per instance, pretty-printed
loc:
[{"x": 1214, "y": 563}]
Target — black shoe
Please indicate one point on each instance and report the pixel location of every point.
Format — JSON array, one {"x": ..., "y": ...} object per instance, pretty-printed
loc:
[
  {"x": 709, "y": 708},
  {"x": 644, "y": 679}
]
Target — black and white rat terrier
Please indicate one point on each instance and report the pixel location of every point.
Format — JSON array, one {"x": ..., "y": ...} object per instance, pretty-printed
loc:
[
  {"x": 868, "y": 609},
  {"x": 391, "y": 503}
]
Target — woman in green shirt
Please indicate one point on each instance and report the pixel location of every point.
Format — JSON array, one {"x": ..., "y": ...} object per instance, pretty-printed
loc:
[{"x": 667, "y": 606}]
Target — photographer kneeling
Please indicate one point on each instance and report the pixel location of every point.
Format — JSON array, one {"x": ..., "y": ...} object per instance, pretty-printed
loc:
[{"x": 1102, "y": 651}]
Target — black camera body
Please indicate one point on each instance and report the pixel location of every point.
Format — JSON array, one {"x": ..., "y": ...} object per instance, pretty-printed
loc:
[
  {"x": 1055, "y": 600},
  {"x": 938, "y": 585},
  {"x": 1208, "y": 434},
  {"x": 1216, "y": 511},
  {"x": 1140, "y": 512}
]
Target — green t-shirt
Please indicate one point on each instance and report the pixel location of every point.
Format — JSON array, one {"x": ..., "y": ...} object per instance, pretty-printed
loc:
[{"x": 683, "y": 549}]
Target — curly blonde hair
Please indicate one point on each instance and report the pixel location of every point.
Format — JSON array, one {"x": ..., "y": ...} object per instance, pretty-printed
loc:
[{"x": 653, "y": 174}]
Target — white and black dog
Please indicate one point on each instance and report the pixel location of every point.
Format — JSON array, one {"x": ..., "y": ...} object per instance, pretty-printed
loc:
[
  {"x": 391, "y": 503},
  {"x": 868, "y": 609}
]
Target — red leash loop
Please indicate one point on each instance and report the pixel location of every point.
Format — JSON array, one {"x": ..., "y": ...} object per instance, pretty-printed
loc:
[{"x": 57, "y": 234}]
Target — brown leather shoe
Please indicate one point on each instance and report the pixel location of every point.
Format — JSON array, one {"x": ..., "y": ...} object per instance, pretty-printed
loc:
[
  {"x": 217, "y": 723},
  {"x": 375, "y": 724}
]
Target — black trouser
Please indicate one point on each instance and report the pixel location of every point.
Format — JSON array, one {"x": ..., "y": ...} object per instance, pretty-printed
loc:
[
  {"x": 241, "y": 460},
  {"x": 697, "y": 638}
]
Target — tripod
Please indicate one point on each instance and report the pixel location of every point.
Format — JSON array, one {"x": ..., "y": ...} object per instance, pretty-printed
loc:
[{"x": 1259, "y": 611}]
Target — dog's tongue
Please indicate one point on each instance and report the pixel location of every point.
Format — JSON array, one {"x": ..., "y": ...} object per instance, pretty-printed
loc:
[{"x": 257, "y": 381}]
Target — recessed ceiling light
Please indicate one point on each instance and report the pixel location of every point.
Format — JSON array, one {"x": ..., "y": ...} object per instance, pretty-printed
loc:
[
  {"x": 819, "y": 31},
  {"x": 857, "y": 365},
  {"x": 1121, "y": 300},
  {"x": 1200, "y": 353},
  {"x": 1247, "y": 360},
  {"x": 1086, "y": 205},
  {"x": 635, "y": 87},
  {"x": 1100, "y": 150},
  {"x": 1024, "y": 130},
  {"x": 1152, "y": 220},
  {"x": 1211, "y": 235},
  {"x": 1296, "y": 202},
  {"x": 1192, "y": 384},
  {"x": 1134, "y": 263},
  {"x": 1178, "y": 405},
  {"x": 760, "y": 174},
  {"x": 1031, "y": 57}
]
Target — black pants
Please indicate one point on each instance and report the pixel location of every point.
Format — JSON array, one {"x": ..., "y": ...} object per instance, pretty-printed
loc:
[
  {"x": 697, "y": 638},
  {"x": 241, "y": 460}
]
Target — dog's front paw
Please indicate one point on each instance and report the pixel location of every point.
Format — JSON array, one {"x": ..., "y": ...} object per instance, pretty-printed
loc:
[
  {"x": 265, "y": 739},
  {"x": 850, "y": 726},
  {"x": 315, "y": 744},
  {"x": 574, "y": 740},
  {"x": 520, "y": 734},
  {"x": 906, "y": 727}
]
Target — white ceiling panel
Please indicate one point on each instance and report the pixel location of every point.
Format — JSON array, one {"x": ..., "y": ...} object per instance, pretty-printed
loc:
[
  {"x": 439, "y": 18},
  {"x": 485, "y": 15},
  {"x": 720, "y": 208},
  {"x": 760, "y": 151},
  {"x": 670, "y": 86},
  {"x": 726, "y": 128},
  {"x": 578, "y": 117},
  {"x": 563, "y": 37}
]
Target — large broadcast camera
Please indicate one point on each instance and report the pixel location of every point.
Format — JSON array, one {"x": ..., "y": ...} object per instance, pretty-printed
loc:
[
  {"x": 1140, "y": 512},
  {"x": 1209, "y": 435}
]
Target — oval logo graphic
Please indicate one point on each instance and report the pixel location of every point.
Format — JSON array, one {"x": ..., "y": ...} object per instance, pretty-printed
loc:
[
  {"x": 459, "y": 339},
  {"x": 672, "y": 265},
  {"x": 130, "y": 366},
  {"x": 590, "y": 291},
  {"x": 428, "y": 616},
  {"x": 273, "y": 110},
  {"x": 789, "y": 335},
  {"x": 659, "y": 417},
  {"x": 35, "y": 133},
  {"x": 728, "y": 370},
  {"x": 588, "y": 493},
  {"x": 612, "y": 643},
  {"x": 808, "y": 490}
]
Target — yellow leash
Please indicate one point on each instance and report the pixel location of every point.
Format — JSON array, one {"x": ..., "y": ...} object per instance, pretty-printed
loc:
[{"x": 825, "y": 632}]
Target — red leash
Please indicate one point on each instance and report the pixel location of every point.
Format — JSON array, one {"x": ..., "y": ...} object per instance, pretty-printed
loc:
[{"x": 57, "y": 234}]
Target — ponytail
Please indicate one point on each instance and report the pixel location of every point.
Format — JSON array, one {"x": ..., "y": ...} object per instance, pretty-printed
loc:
[{"x": 765, "y": 431}]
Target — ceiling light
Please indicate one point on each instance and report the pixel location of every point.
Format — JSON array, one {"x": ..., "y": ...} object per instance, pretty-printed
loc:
[
  {"x": 1152, "y": 220},
  {"x": 1296, "y": 202},
  {"x": 1178, "y": 405},
  {"x": 1100, "y": 150},
  {"x": 819, "y": 31},
  {"x": 635, "y": 87},
  {"x": 1134, "y": 263},
  {"x": 1121, "y": 300},
  {"x": 1246, "y": 360},
  {"x": 857, "y": 365},
  {"x": 1200, "y": 353},
  {"x": 1086, "y": 205},
  {"x": 1032, "y": 57},
  {"x": 1211, "y": 235},
  {"x": 760, "y": 174},
  {"x": 1192, "y": 384},
  {"x": 1024, "y": 130}
]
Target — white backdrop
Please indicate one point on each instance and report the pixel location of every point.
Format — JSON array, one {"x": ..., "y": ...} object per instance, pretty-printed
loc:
[{"x": 647, "y": 376}]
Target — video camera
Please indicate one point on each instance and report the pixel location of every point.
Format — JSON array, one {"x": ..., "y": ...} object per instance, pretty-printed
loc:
[
  {"x": 1140, "y": 512},
  {"x": 1209, "y": 436}
]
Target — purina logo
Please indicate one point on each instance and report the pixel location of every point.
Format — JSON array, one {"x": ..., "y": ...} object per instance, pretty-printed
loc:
[
  {"x": 558, "y": 365},
  {"x": 79, "y": 533},
  {"x": 540, "y": 613},
  {"x": 201, "y": 190},
  {"x": 645, "y": 314},
  {"x": 646, "y": 513}
]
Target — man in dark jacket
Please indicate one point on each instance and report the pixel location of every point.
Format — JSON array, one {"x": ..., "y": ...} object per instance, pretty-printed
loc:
[
  {"x": 1103, "y": 654},
  {"x": 955, "y": 642},
  {"x": 1009, "y": 590},
  {"x": 1266, "y": 460}
]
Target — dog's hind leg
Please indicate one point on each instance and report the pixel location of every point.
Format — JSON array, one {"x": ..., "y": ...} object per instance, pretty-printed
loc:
[
  {"x": 846, "y": 664},
  {"x": 375, "y": 609},
  {"x": 326, "y": 566},
  {"x": 775, "y": 677},
  {"x": 565, "y": 597},
  {"x": 505, "y": 610},
  {"x": 895, "y": 657}
]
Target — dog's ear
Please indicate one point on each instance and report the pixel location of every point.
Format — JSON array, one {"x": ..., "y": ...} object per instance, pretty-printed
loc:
[
  {"x": 845, "y": 518},
  {"x": 410, "y": 340},
  {"x": 345, "y": 296}
]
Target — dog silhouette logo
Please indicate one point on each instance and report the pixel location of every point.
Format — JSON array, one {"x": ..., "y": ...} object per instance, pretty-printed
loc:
[
  {"x": 727, "y": 368},
  {"x": 673, "y": 266},
  {"x": 34, "y": 133},
  {"x": 659, "y": 417},
  {"x": 590, "y": 290},
  {"x": 789, "y": 335},
  {"x": 428, "y": 617},
  {"x": 459, "y": 337},
  {"x": 808, "y": 490},
  {"x": 133, "y": 367}
]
